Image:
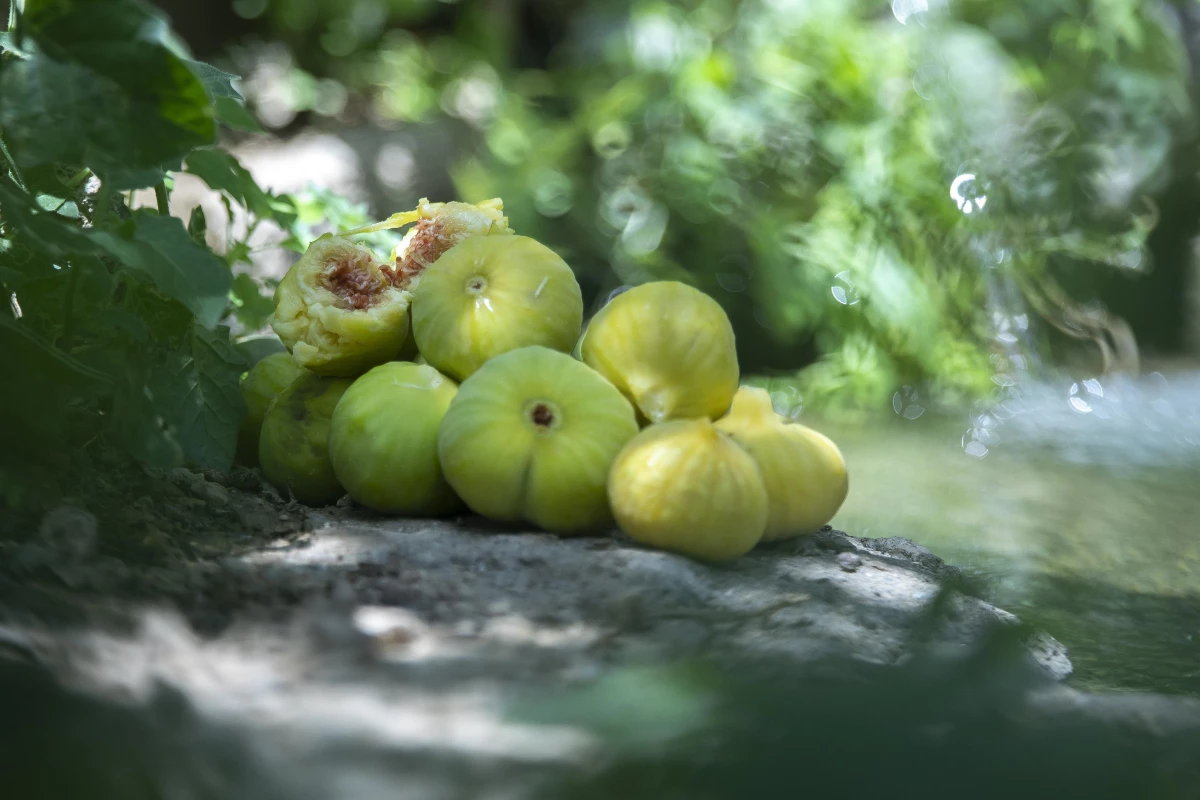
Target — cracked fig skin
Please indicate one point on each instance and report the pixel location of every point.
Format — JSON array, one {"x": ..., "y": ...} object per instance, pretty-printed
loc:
[
  {"x": 293, "y": 447},
  {"x": 383, "y": 440},
  {"x": 803, "y": 471},
  {"x": 531, "y": 436},
  {"x": 669, "y": 348},
  {"x": 339, "y": 310},
  {"x": 685, "y": 486},
  {"x": 491, "y": 294},
  {"x": 260, "y": 385}
]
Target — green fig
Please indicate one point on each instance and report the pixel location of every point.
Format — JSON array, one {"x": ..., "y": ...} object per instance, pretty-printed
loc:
[
  {"x": 684, "y": 486},
  {"x": 668, "y": 347},
  {"x": 803, "y": 470},
  {"x": 339, "y": 310},
  {"x": 491, "y": 294},
  {"x": 262, "y": 384},
  {"x": 293, "y": 447},
  {"x": 383, "y": 440},
  {"x": 530, "y": 436}
]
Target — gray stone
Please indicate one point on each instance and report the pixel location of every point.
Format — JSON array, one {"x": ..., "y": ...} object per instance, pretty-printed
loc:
[
  {"x": 215, "y": 495},
  {"x": 408, "y": 642},
  {"x": 69, "y": 532}
]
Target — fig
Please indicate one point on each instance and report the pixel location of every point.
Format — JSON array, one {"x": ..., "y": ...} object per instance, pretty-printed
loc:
[
  {"x": 260, "y": 385},
  {"x": 439, "y": 227},
  {"x": 293, "y": 447},
  {"x": 339, "y": 310},
  {"x": 668, "y": 347},
  {"x": 530, "y": 436},
  {"x": 683, "y": 485},
  {"x": 803, "y": 471},
  {"x": 491, "y": 294},
  {"x": 383, "y": 440}
]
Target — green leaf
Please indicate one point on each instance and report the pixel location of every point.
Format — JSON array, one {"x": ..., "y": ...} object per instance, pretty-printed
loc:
[
  {"x": 222, "y": 172},
  {"x": 161, "y": 247},
  {"x": 100, "y": 89},
  {"x": 197, "y": 392},
  {"x": 234, "y": 114},
  {"x": 38, "y": 229},
  {"x": 197, "y": 226},
  {"x": 258, "y": 346},
  {"x": 217, "y": 83},
  {"x": 40, "y": 382},
  {"x": 138, "y": 426},
  {"x": 251, "y": 307}
]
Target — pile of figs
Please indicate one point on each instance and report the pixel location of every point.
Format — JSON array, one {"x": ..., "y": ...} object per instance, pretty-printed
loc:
[{"x": 458, "y": 375}]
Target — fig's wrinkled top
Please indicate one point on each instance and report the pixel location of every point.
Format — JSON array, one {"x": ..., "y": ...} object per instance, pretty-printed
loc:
[{"x": 803, "y": 470}]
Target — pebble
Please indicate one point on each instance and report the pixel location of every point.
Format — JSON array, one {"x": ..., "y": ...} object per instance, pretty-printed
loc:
[
  {"x": 211, "y": 493},
  {"x": 69, "y": 531},
  {"x": 849, "y": 562},
  {"x": 183, "y": 475}
]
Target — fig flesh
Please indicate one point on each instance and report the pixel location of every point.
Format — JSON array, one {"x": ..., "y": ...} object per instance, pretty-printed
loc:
[
  {"x": 383, "y": 440},
  {"x": 260, "y": 385},
  {"x": 684, "y": 486},
  {"x": 803, "y": 470},
  {"x": 293, "y": 448},
  {"x": 668, "y": 347},
  {"x": 531, "y": 435},
  {"x": 339, "y": 310},
  {"x": 491, "y": 294}
]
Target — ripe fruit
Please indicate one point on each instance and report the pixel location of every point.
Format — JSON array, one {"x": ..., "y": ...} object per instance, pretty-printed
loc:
[
  {"x": 668, "y": 347},
  {"x": 440, "y": 226},
  {"x": 531, "y": 435},
  {"x": 262, "y": 384},
  {"x": 294, "y": 445},
  {"x": 339, "y": 310},
  {"x": 684, "y": 486},
  {"x": 383, "y": 440},
  {"x": 492, "y": 294},
  {"x": 803, "y": 471}
]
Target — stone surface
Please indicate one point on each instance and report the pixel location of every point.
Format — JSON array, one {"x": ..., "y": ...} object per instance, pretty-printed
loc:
[{"x": 383, "y": 658}]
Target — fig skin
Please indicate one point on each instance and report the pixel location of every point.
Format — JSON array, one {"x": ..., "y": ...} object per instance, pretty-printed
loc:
[
  {"x": 383, "y": 440},
  {"x": 531, "y": 435},
  {"x": 684, "y": 486},
  {"x": 339, "y": 310},
  {"x": 491, "y": 294},
  {"x": 669, "y": 348},
  {"x": 804, "y": 471},
  {"x": 293, "y": 448},
  {"x": 262, "y": 384}
]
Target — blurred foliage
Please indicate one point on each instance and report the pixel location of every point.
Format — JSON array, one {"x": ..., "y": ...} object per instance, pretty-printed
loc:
[
  {"x": 856, "y": 176},
  {"x": 980, "y": 721},
  {"x": 115, "y": 324}
]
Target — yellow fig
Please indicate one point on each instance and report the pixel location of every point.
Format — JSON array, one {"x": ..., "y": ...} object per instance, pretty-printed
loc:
[
  {"x": 668, "y": 347},
  {"x": 339, "y": 310},
  {"x": 684, "y": 486},
  {"x": 293, "y": 447},
  {"x": 439, "y": 227},
  {"x": 804, "y": 471},
  {"x": 492, "y": 294},
  {"x": 383, "y": 440},
  {"x": 263, "y": 383},
  {"x": 531, "y": 435}
]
